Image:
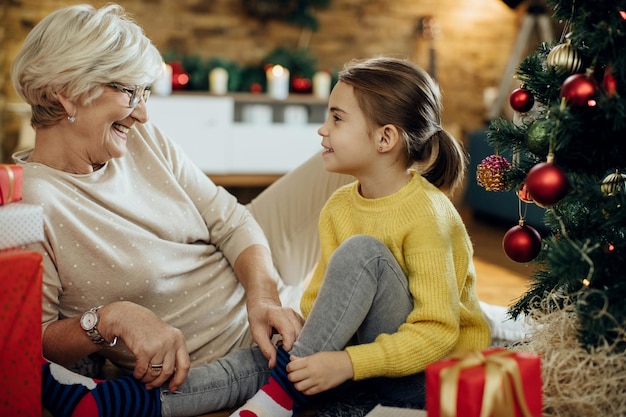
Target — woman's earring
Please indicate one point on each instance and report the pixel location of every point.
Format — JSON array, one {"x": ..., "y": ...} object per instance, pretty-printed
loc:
[
  {"x": 380, "y": 149},
  {"x": 72, "y": 118}
]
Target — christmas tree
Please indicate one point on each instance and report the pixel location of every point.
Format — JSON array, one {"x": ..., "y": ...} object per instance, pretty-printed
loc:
[{"x": 567, "y": 142}]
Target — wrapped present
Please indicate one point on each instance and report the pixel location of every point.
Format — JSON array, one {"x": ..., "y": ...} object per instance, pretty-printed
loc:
[
  {"x": 21, "y": 224},
  {"x": 20, "y": 333},
  {"x": 493, "y": 383},
  {"x": 10, "y": 183}
]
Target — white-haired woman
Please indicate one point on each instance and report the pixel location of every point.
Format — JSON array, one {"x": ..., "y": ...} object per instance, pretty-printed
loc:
[{"x": 146, "y": 261}]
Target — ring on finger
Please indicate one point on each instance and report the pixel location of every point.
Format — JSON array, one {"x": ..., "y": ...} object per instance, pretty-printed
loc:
[{"x": 157, "y": 367}]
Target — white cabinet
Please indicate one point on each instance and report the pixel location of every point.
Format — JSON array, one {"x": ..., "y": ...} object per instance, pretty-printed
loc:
[
  {"x": 199, "y": 125},
  {"x": 212, "y": 131}
]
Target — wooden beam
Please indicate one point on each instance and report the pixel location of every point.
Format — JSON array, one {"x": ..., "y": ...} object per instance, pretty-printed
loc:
[{"x": 244, "y": 180}]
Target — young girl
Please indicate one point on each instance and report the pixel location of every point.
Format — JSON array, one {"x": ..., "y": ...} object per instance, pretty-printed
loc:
[{"x": 394, "y": 289}]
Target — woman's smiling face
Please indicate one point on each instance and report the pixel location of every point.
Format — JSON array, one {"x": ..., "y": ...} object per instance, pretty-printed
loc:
[{"x": 104, "y": 123}]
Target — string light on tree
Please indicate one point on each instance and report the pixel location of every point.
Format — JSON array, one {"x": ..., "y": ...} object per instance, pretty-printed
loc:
[{"x": 609, "y": 248}]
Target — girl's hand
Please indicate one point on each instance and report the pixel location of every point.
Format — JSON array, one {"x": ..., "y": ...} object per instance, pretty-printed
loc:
[{"x": 320, "y": 371}]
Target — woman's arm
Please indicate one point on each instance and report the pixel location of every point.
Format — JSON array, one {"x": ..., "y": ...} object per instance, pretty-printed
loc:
[
  {"x": 255, "y": 272},
  {"x": 65, "y": 342},
  {"x": 150, "y": 339}
]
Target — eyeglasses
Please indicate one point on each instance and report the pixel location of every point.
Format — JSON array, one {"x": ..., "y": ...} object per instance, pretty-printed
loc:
[{"x": 136, "y": 93}]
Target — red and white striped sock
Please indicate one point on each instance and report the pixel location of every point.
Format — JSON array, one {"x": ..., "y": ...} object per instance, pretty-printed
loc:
[{"x": 270, "y": 401}]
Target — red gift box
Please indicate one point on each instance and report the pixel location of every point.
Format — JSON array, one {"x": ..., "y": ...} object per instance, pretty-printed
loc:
[
  {"x": 493, "y": 383},
  {"x": 10, "y": 183},
  {"x": 20, "y": 333}
]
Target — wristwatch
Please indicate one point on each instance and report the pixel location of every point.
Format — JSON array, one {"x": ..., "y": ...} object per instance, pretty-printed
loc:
[{"x": 89, "y": 322}]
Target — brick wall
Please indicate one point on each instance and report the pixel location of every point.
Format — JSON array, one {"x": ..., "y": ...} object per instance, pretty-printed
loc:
[{"x": 475, "y": 40}]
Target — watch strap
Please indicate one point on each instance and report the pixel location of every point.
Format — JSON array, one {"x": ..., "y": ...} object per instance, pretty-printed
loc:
[{"x": 94, "y": 334}]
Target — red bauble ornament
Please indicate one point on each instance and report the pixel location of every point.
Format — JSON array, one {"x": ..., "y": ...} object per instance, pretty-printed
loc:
[
  {"x": 579, "y": 89},
  {"x": 521, "y": 100},
  {"x": 546, "y": 183},
  {"x": 522, "y": 243},
  {"x": 609, "y": 83},
  {"x": 524, "y": 195},
  {"x": 180, "y": 78},
  {"x": 301, "y": 85}
]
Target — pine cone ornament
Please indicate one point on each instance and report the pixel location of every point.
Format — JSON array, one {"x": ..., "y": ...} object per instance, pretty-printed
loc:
[{"x": 491, "y": 173}]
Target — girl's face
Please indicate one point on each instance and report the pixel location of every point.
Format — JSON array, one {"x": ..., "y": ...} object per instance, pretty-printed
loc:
[
  {"x": 103, "y": 125},
  {"x": 348, "y": 141}
]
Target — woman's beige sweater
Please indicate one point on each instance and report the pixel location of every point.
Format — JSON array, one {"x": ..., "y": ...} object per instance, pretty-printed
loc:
[{"x": 150, "y": 228}]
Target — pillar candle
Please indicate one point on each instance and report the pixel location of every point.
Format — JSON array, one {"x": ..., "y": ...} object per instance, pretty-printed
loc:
[
  {"x": 321, "y": 84},
  {"x": 163, "y": 85},
  {"x": 277, "y": 82},
  {"x": 218, "y": 81}
]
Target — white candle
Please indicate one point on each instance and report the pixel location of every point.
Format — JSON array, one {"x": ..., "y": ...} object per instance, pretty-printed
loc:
[
  {"x": 163, "y": 85},
  {"x": 321, "y": 84},
  {"x": 277, "y": 82},
  {"x": 218, "y": 81}
]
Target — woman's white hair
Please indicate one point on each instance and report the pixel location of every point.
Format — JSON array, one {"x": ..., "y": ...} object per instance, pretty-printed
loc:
[{"x": 76, "y": 51}]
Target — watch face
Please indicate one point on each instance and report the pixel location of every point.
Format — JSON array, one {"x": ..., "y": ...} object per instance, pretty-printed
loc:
[{"x": 89, "y": 320}]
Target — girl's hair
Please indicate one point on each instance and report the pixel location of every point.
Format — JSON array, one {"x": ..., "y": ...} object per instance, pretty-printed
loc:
[
  {"x": 398, "y": 92},
  {"x": 78, "y": 50}
]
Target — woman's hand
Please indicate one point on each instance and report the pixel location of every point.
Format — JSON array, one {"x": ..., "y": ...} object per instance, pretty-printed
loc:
[
  {"x": 267, "y": 315},
  {"x": 320, "y": 372},
  {"x": 254, "y": 270},
  {"x": 151, "y": 340}
]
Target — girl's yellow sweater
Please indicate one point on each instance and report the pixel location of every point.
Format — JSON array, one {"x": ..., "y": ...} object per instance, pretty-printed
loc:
[{"x": 425, "y": 233}]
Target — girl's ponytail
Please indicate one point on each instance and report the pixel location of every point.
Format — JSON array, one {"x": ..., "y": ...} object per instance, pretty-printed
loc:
[{"x": 444, "y": 162}]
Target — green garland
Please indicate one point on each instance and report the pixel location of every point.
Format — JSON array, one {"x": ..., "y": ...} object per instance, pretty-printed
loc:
[{"x": 300, "y": 63}]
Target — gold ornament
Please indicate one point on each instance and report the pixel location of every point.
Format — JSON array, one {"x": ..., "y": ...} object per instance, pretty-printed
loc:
[
  {"x": 565, "y": 57},
  {"x": 613, "y": 184}
]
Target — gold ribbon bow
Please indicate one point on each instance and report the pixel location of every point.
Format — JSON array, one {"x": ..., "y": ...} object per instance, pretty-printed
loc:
[
  {"x": 503, "y": 383},
  {"x": 11, "y": 184}
]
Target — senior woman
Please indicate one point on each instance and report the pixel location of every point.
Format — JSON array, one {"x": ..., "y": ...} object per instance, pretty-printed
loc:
[{"x": 146, "y": 261}]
